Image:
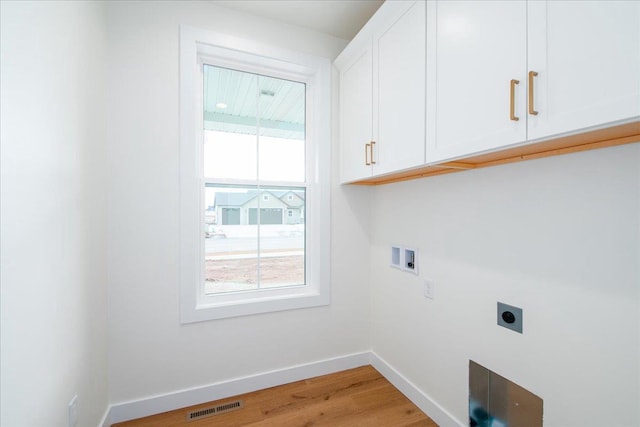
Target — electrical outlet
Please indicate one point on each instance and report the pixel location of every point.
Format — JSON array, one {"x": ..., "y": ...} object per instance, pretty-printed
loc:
[
  {"x": 73, "y": 411},
  {"x": 428, "y": 288}
]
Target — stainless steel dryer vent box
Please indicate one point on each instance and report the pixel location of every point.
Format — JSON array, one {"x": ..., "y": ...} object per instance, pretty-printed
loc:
[{"x": 494, "y": 401}]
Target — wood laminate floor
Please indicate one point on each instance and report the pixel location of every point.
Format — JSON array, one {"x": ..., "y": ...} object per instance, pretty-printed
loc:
[{"x": 358, "y": 397}]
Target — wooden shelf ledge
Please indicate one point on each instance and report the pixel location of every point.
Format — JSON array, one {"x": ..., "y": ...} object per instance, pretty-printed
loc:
[{"x": 601, "y": 138}]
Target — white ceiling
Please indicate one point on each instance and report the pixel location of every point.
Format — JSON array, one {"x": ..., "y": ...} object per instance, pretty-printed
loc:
[{"x": 339, "y": 18}]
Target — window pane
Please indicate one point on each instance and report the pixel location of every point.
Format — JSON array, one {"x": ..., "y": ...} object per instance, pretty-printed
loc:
[
  {"x": 230, "y": 123},
  {"x": 282, "y": 238},
  {"x": 253, "y": 123},
  {"x": 231, "y": 245},
  {"x": 254, "y": 238},
  {"x": 281, "y": 122}
]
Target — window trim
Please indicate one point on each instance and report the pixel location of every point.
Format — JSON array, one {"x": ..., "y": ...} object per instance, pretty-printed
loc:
[{"x": 277, "y": 62}]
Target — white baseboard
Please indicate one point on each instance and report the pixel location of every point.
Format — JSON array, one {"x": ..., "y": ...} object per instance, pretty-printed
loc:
[
  {"x": 106, "y": 418},
  {"x": 125, "y": 411},
  {"x": 429, "y": 406}
]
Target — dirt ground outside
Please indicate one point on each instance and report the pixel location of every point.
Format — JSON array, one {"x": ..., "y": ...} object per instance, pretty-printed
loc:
[{"x": 227, "y": 275}]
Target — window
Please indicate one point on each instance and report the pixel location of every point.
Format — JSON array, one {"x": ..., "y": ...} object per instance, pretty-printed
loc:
[{"x": 254, "y": 153}]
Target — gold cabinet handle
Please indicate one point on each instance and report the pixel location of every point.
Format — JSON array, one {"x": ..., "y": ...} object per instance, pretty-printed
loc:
[
  {"x": 373, "y": 162},
  {"x": 367, "y": 148},
  {"x": 532, "y": 110},
  {"x": 512, "y": 101}
]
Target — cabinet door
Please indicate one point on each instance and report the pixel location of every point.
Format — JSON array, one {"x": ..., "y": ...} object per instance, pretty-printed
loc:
[
  {"x": 356, "y": 116},
  {"x": 587, "y": 56},
  {"x": 479, "y": 47},
  {"x": 399, "y": 89}
]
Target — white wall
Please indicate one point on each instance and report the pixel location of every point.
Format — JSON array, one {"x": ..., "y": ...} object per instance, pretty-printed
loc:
[
  {"x": 53, "y": 219},
  {"x": 150, "y": 352},
  {"x": 558, "y": 237}
]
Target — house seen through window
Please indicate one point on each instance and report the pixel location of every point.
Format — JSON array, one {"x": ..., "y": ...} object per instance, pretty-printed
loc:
[{"x": 253, "y": 163}]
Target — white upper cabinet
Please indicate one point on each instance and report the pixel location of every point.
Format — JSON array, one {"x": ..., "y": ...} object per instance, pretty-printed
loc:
[
  {"x": 501, "y": 73},
  {"x": 475, "y": 50},
  {"x": 587, "y": 56},
  {"x": 399, "y": 91},
  {"x": 426, "y": 83},
  {"x": 356, "y": 114},
  {"x": 382, "y": 93}
]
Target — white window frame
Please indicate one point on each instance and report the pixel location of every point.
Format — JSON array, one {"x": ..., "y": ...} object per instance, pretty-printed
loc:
[{"x": 252, "y": 56}]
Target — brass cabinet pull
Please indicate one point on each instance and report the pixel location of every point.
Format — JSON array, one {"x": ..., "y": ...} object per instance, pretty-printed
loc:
[
  {"x": 367, "y": 148},
  {"x": 512, "y": 106},
  {"x": 373, "y": 162},
  {"x": 532, "y": 111}
]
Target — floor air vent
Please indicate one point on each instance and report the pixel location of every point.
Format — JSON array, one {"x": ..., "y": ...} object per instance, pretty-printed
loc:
[{"x": 214, "y": 410}]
